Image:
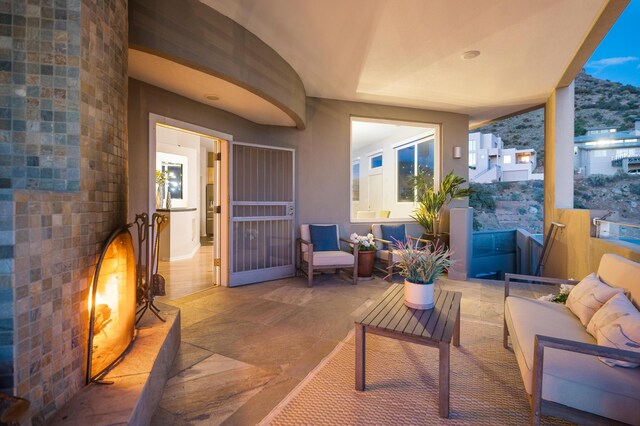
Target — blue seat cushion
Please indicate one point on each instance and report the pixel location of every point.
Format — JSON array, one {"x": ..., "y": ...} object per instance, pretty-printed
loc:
[
  {"x": 324, "y": 237},
  {"x": 394, "y": 233}
]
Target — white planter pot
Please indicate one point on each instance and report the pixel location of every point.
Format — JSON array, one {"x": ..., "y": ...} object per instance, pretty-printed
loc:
[{"x": 418, "y": 296}]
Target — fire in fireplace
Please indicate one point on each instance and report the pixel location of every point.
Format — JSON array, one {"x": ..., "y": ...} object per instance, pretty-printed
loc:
[{"x": 112, "y": 304}]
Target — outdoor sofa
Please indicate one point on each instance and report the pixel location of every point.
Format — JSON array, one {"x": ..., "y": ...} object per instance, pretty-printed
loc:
[{"x": 558, "y": 358}]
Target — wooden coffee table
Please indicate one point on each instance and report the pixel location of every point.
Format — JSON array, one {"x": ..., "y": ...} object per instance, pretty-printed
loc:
[{"x": 436, "y": 327}]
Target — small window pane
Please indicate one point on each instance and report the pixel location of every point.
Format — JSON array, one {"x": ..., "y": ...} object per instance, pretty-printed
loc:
[
  {"x": 376, "y": 161},
  {"x": 406, "y": 167},
  {"x": 355, "y": 182}
]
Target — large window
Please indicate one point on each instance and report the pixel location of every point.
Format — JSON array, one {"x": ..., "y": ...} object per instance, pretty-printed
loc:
[
  {"x": 385, "y": 155},
  {"x": 413, "y": 158}
]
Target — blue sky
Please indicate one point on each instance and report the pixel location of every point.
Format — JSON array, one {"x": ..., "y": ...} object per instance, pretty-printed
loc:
[{"x": 618, "y": 56}]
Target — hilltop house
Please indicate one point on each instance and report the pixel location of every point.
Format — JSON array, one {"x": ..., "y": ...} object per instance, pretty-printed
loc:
[
  {"x": 490, "y": 162},
  {"x": 606, "y": 151}
]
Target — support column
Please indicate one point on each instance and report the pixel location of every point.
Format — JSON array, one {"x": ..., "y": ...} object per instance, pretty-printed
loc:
[
  {"x": 461, "y": 242},
  {"x": 558, "y": 175},
  {"x": 558, "y": 149}
]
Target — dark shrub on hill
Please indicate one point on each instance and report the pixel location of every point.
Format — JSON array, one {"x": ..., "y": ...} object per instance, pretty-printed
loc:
[
  {"x": 597, "y": 180},
  {"x": 482, "y": 196},
  {"x": 634, "y": 188}
]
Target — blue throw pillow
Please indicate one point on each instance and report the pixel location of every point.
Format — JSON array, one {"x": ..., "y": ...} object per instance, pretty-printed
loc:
[
  {"x": 324, "y": 237},
  {"x": 394, "y": 233}
]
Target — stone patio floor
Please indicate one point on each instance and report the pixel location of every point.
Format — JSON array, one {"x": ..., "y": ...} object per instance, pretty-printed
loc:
[{"x": 244, "y": 349}]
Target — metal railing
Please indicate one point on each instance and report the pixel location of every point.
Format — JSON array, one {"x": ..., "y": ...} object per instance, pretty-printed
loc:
[
  {"x": 610, "y": 230},
  {"x": 617, "y": 160},
  {"x": 546, "y": 247}
]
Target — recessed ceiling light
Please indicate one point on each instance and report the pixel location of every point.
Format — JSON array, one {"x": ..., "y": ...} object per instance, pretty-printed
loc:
[
  {"x": 212, "y": 97},
  {"x": 470, "y": 54}
]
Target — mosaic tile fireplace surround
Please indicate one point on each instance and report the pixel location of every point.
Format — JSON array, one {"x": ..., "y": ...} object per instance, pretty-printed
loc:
[{"x": 63, "y": 184}]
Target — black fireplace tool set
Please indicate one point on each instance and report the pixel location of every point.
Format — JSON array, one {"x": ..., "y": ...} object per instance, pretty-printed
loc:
[{"x": 149, "y": 282}]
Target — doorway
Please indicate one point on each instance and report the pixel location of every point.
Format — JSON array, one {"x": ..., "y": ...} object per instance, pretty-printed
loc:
[
  {"x": 376, "y": 189},
  {"x": 190, "y": 181}
]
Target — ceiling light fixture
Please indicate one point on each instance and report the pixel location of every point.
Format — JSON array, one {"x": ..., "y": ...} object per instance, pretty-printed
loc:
[
  {"x": 212, "y": 97},
  {"x": 470, "y": 54}
]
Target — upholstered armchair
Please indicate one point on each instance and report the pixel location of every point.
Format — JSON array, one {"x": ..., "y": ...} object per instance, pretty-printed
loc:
[
  {"x": 386, "y": 238},
  {"x": 319, "y": 248}
]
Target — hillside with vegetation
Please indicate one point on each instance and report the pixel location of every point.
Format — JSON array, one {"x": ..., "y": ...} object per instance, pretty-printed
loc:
[{"x": 598, "y": 103}]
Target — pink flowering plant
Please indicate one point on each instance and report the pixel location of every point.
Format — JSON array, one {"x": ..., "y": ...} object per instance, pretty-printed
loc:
[{"x": 422, "y": 265}]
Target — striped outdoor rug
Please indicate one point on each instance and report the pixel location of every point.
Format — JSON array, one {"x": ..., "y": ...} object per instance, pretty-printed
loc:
[{"x": 402, "y": 385}]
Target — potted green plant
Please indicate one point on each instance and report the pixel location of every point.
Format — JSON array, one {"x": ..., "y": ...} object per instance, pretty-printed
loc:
[
  {"x": 432, "y": 202},
  {"x": 366, "y": 253},
  {"x": 421, "y": 267}
]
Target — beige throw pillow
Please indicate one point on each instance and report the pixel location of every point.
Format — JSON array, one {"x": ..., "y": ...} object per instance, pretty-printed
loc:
[
  {"x": 617, "y": 325},
  {"x": 588, "y": 296}
]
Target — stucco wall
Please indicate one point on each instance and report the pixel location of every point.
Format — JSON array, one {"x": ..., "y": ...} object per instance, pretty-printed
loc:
[
  {"x": 569, "y": 256},
  {"x": 324, "y": 158},
  {"x": 322, "y": 149},
  {"x": 145, "y": 99},
  {"x": 575, "y": 253},
  {"x": 193, "y": 34}
]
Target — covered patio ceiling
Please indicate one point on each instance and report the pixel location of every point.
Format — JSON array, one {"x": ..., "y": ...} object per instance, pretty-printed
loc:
[{"x": 411, "y": 52}]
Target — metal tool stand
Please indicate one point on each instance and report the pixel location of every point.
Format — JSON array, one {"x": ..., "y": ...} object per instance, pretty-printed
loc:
[{"x": 152, "y": 247}]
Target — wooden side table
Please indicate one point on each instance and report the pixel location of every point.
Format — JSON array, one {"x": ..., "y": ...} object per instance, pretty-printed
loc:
[{"x": 437, "y": 327}]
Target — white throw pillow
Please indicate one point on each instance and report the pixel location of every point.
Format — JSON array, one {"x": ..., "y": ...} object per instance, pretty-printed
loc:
[
  {"x": 588, "y": 296},
  {"x": 617, "y": 325}
]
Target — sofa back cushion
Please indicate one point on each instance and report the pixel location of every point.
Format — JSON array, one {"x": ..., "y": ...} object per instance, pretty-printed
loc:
[
  {"x": 397, "y": 234},
  {"x": 617, "y": 325},
  {"x": 330, "y": 232},
  {"x": 617, "y": 271},
  {"x": 588, "y": 296},
  {"x": 324, "y": 237}
]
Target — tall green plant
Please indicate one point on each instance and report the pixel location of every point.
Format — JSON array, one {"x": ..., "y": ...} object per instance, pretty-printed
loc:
[{"x": 432, "y": 203}]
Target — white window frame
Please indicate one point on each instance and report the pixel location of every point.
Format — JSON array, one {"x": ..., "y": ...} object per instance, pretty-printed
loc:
[
  {"x": 373, "y": 155},
  {"x": 431, "y": 130}
]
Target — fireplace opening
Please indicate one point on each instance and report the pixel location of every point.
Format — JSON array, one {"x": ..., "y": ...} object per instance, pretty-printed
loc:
[{"x": 112, "y": 304}]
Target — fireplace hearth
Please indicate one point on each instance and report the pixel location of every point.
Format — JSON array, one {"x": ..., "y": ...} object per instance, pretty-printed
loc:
[{"x": 136, "y": 372}]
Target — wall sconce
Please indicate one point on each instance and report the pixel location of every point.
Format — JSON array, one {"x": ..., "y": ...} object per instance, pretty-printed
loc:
[{"x": 457, "y": 152}]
